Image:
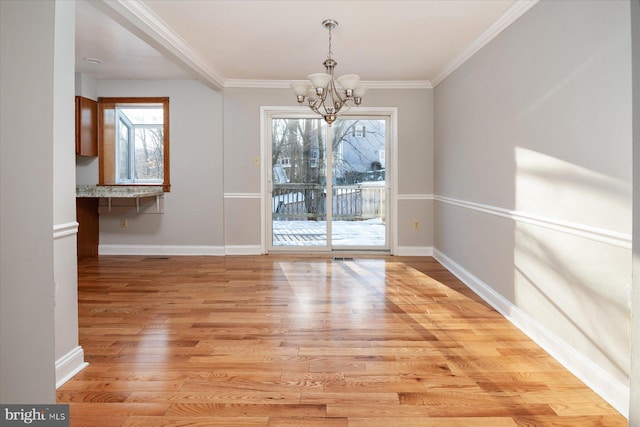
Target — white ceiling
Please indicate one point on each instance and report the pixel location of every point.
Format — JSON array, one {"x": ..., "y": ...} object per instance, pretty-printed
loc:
[{"x": 256, "y": 42}]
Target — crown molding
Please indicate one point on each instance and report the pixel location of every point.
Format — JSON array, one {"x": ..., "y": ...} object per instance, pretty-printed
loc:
[
  {"x": 141, "y": 20},
  {"x": 286, "y": 84},
  {"x": 137, "y": 17},
  {"x": 398, "y": 84},
  {"x": 519, "y": 8},
  {"x": 258, "y": 84}
]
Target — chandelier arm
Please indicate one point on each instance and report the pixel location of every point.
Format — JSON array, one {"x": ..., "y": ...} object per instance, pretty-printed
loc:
[
  {"x": 316, "y": 104},
  {"x": 332, "y": 83},
  {"x": 315, "y": 109},
  {"x": 321, "y": 102}
]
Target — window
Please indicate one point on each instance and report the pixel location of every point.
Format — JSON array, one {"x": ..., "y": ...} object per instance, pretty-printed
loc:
[
  {"x": 285, "y": 162},
  {"x": 314, "y": 158},
  {"x": 133, "y": 137}
]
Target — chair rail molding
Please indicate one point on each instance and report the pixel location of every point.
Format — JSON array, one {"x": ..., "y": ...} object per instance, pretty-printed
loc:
[
  {"x": 615, "y": 238},
  {"x": 415, "y": 196},
  {"x": 242, "y": 195},
  {"x": 66, "y": 229}
]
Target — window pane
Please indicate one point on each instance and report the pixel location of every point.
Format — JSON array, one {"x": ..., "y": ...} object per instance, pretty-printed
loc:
[
  {"x": 149, "y": 151},
  {"x": 148, "y": 115},
  {"x": 359, "y": 151},
  {"x": 123, "y": 152},
  {"x": 299, "y": 177},
  {"x": 359, "y": 196},
  {"x": 145, "y": 151}
]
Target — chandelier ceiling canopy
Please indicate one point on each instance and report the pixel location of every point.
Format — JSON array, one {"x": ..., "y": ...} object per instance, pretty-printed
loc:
[{"x": 324, "y": 94}]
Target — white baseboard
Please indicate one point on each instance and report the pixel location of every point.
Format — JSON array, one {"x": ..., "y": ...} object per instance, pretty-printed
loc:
[
  {"x": 69, "y": 365},
  {"x": 414, "y": 251},
  {"x": 600, "y": 381},
  {"x": 243, "y": 250},
  {"x": 105, "y": 249}
]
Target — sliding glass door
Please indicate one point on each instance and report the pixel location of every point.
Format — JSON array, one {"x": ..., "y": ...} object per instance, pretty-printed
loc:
[
  {"x": 359, "y": 190},
  {"x": 327, "y": 196},
  {"x": 299, "y": 183}
]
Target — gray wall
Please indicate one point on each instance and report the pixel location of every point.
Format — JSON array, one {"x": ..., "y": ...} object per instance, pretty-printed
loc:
[
  {"x": 533, "y": 177},
  {"x": 242, "y": 144},
  {"x": 27, "y": 360},
  {"x": 192, "y": 221},
  {"x": 214, "y": 203}
]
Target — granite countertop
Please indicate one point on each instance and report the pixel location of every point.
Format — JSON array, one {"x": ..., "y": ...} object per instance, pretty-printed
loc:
[{"x": 118, "y": 191}]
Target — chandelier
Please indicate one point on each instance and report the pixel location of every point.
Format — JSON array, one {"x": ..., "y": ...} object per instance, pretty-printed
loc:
[{"x": 324, "y": 94}]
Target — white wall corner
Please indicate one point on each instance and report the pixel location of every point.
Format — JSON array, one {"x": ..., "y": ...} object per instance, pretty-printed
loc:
[
  {"x": 69, "y": 365},
  {"x": 414, "y": 251},
  {"x": 193, "y": 250},
  {"x": 519, "y": 8},
  {"x": 600, "y": 381}
]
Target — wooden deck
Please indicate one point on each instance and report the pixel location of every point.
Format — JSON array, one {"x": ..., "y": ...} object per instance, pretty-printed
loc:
[
  {"x": 313, "y": 233},
  {"x": 307, "y": 341}
]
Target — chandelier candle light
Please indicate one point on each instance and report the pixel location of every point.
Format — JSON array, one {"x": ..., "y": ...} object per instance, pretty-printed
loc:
[{"x": 325, "y": 95}]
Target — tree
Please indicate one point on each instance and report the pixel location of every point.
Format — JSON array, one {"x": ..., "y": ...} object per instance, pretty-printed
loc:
[
  {"x": 149, "y": 162},
  {"x": 312, "y": 166},
  {"x": 298, "y": 148},
  {"x": 353, "y": 152}
]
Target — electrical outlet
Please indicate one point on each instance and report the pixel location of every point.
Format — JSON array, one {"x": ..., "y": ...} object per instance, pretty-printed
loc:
[
  {"x": 416, "y": 224},
  {"x": 123, "y": 222}
]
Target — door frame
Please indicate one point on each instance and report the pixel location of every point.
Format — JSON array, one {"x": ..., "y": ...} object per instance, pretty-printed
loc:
[{"x": 266, "y": 115}]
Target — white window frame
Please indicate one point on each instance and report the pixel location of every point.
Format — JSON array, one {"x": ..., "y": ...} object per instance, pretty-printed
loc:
[{"x": 121, "y": 119}]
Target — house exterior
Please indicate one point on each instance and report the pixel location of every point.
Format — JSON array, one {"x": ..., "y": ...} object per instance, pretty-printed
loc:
[{"x": 519, "y": 164}]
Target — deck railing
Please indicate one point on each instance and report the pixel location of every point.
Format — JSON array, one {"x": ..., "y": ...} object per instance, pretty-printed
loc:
[{"x": 353, "y": 202}]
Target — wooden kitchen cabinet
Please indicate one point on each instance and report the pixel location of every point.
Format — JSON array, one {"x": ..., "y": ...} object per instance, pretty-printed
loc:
[
  {"x": 88, "y": 227},
  {"x": 86, "y": 127}
]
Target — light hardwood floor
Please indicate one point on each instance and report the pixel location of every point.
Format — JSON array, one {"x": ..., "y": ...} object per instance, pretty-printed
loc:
[{"x": 307, "y": 341}]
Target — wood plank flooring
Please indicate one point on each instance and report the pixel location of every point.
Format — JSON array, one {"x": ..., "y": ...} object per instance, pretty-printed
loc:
[{"x": 301, "y": 341}]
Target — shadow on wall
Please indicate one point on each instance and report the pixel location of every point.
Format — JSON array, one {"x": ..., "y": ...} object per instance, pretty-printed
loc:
[
  {"x": 577, "y": 289},
  {"x": 554, "y": 188}
]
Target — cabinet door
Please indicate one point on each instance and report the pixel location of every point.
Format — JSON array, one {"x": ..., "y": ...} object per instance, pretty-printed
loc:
[
  {"x": 89, "y": 227},
  {"x": 86, "y": 127}
]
